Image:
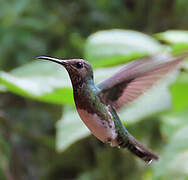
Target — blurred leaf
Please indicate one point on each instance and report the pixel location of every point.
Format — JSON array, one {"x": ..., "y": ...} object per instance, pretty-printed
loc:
[
  {"x": 179, "y": 48},
  {"x": 173, "y": 36},
  {"x": 117, "y": 46},
  {"x": 180, "y": 96},
  {"x": 179, "y": 90},
  {"x": 39, "y": 80},
  {"x": 173, "y": 121},
  {"x": 173, "y": 164},
  {"x": 69, "y": 130}
]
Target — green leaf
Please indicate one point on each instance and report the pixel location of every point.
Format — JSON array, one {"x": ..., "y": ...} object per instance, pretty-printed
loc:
[
  {"x": 179, "y": 90},
  {"x": 173, "y": 164},
  {"x": 117, "y": 46},
  {"x": 69, "y": 129},
  {"x": 180, "y": 96},
  {"x": 172, "y": 121},
  {"x": 173, "y": 36},
  {"x": 39, "y": 80},
  {"x": 179, "y": 48}
]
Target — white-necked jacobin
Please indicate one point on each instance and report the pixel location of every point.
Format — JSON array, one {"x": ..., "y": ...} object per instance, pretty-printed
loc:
[{"x": 97, "y": 104}]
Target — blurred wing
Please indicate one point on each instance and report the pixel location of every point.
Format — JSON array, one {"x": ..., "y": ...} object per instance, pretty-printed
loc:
[{"x": 134, "y": 79}]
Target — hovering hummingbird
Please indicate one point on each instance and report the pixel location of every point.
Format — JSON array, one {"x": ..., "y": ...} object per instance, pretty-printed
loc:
[{"x": 97, "y": 104}]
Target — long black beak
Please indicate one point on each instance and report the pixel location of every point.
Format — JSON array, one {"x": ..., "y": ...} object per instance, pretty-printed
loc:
[{"x": 59, "y": 61}]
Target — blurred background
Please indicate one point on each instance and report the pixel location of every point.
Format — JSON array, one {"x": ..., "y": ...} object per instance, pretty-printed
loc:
[{"x": 41, "y": 135}]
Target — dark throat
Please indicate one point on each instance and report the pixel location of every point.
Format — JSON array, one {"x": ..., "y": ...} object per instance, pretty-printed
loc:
[
  {"x": 83, "y": 90},
  {"x": 81, "y": 85}
]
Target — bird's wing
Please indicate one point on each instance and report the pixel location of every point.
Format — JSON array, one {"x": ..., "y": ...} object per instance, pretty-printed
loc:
[{"x": 134, "y": 79}]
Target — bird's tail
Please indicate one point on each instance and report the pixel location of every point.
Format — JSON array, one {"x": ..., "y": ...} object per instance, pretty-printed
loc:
[{"x": 138, "y": 149}]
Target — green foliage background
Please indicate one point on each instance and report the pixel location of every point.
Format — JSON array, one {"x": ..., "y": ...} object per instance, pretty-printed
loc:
[{"x": 41, "y": 135}]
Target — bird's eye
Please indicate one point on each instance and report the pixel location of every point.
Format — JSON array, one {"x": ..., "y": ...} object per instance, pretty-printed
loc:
[{"x": 79, "y": 65}]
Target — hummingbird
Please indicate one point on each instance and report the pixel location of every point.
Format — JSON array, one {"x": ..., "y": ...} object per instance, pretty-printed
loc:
[{"x": 97, "y": 105}]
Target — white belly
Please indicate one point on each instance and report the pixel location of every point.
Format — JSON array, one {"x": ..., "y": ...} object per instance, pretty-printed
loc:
[{"x": 103, "y": 130}]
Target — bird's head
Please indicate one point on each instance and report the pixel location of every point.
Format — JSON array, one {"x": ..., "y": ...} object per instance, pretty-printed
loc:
[{"x": 77, "y": 68}]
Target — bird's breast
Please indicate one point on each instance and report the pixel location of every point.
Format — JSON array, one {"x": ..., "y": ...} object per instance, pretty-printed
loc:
[{"x": 104, "y": 130}]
